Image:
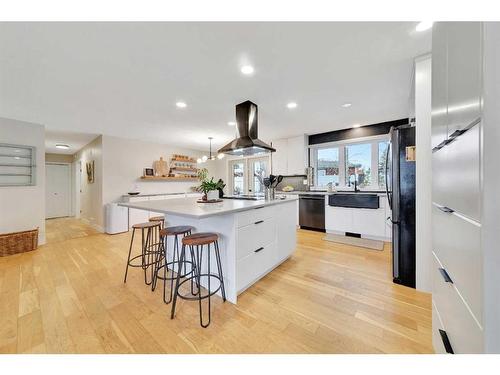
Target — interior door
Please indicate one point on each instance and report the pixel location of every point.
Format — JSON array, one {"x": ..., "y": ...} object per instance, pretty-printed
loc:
[
  {"x": 258, "y": 169},
  {"x": 57, "y": 190}
]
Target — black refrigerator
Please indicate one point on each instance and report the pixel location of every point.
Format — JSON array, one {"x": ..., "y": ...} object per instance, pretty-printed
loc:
[{"x": 400, "y": 187}]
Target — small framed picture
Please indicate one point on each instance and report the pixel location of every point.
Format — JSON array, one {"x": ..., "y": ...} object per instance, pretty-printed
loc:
[{"x": 149, "y": 172}]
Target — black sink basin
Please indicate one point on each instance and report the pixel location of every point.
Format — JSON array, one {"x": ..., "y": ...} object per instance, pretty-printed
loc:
[{"x": 355, "y": 200}]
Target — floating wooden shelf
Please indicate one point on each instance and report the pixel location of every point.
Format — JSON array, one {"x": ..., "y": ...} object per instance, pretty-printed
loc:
[
  {"x": 193, "y": 161},
  {"x": 158, "y": 178},
  {"x": 184, "y": 169}
]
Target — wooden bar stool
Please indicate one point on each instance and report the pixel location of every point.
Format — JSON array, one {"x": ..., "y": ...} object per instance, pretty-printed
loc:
[
  {"x": 156, "y": 233},
  {"x": 174, "y": 265},
  {"x": 150, "y": 254},
  {"x": 196, "y": 243}
]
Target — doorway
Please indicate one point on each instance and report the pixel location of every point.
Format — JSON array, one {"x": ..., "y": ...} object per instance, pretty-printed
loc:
[
  {"x": 57, "y": 190},
  {"x": 245, "y": 175}
]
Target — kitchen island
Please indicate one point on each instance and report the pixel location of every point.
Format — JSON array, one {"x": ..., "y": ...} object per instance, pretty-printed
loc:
[{"x": 254, "y": 236}]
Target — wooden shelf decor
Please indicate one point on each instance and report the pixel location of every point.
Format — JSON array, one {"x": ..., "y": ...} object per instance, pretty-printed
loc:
[{"x": 168, "y": 178}]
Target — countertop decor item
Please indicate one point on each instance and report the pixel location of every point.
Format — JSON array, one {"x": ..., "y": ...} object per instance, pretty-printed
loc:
[
  {"x": 209, "y": 188},
  {"x": 288, "y": 188}
]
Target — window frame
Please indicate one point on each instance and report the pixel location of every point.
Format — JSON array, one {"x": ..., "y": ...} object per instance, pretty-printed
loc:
[{"x": 373, "y": 140}]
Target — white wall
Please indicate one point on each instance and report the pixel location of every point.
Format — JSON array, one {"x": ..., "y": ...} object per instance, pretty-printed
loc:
[
  {"x": 91, "y": 194},
  {"x": 491, "y": 187},
  {"x": 423, "y": 213},
  {"x": 23, "y": 207},
  {"x": 124, "y": 161}
]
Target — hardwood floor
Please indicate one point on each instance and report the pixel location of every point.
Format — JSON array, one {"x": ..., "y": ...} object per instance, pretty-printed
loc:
[{"x": 68, "y": 297}]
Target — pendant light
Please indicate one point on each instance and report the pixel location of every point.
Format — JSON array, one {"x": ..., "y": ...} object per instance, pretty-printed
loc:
[{"x": 205, "y": 158}]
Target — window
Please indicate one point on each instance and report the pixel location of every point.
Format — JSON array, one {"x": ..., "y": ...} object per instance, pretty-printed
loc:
[
  {"x": 382, "y": 150},
  {"x": 328, "y": 166},
  {"x": 342, "y": 163},
  {"x": 358, "y": 161}
]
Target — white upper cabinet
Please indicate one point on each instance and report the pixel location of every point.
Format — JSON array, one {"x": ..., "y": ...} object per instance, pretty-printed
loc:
[
  {"x": 439, "y": 84},
  {"x": 279, "y": 158},
  {"x": 464, "y": 74},
  {"x": 290, "y": 157}
]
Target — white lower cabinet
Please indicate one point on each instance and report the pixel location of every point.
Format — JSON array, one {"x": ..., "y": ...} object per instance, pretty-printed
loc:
[
  {"x": 464, "y": 332},
  {"x": 364, "y": 221},
  {"x": 264, "y": 238},
  {"x": 255, "y": 265}
]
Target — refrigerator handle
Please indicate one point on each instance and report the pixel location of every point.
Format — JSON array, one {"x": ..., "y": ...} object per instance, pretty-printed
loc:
[{"x": 389, "y": 197}]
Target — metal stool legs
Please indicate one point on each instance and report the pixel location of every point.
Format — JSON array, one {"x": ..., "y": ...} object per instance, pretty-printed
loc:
[
  {"x": 196, "y": 252},
  {"x": 149, "y": 253},
  {"x": 178, "y": 264}
]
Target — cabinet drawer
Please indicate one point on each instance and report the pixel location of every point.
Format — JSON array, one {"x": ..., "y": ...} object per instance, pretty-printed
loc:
[
  {"x": 457, "y": 244},
  {"x": 461, "y": 174},
  {"x": 439, "y": 182},
  {"x": 254, "y": 236},
  {"x": 465, "y": 335},
  {"x": 255, "y": 265},
  {"x": 251, "y": 216},
  {"x": 437, "y": 341}
]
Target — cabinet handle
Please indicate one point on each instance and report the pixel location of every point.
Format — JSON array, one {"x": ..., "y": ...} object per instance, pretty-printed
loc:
[
  {"x": 446, "y": 209},
  {"x": 258, "y": 222},
  {"x": 446, "y": 277},
  {"x": 259, "y": 249},
  {"x": 258, "y": 208},
  {"x": 457, "y": 133},
  {"x": 446, "y": 342}
]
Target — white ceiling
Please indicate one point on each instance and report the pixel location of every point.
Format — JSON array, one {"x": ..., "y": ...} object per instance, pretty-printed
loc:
[
  {"x": 73, "y": 139},
  {"x": 124, "y": 79}
]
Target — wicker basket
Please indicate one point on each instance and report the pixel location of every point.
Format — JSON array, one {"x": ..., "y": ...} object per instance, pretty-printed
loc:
[{"x": 18, "y": 242}]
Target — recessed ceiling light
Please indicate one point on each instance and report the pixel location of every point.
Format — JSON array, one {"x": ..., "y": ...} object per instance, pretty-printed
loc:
[
  {"x": 356, "y": 125},
  {"x": 346, "y": 105},
  {"x": 181, "y": 105},
  {"x": 424, "y": 25},
  {"x": 292, "y": 105},
  {"x": 247, "y": 70},
  {"x": 62, "y": 146},
  {"x": 17, "y": 157},
  {"x": 231, "y": 123}
]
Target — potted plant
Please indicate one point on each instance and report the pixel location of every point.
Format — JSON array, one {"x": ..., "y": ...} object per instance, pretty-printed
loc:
[{"x": 209, "y": 188}]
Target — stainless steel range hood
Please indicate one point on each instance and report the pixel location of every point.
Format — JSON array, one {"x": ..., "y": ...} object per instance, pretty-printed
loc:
[{"x": 247, "y": 142}]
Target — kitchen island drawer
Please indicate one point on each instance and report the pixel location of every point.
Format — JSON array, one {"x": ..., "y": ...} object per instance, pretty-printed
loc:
[
  {"x": 456, "y": 242},
  {"x": 252, "y": 267},
  {"x": 464, "y": 333},
  {"x": 255, "y": 235},
  {"x": 253, "y": 215}
]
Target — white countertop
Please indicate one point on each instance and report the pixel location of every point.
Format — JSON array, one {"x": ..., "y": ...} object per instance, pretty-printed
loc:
[
  {"x": 313, "y": 192},
  {"x": 189, "y": 207}
]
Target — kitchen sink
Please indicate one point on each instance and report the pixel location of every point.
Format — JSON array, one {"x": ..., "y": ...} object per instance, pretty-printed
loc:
[{"x": 354, "y": 200}]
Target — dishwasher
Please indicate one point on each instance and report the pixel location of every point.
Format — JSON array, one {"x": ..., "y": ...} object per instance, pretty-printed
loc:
[{"x": 312, "y": 212}]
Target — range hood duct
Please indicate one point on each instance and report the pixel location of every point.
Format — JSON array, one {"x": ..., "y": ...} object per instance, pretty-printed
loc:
[{"x": 247, "y": 142}]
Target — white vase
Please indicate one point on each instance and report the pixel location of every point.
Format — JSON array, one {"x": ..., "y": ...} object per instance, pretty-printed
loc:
[{"x": 212, "y": 195}]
